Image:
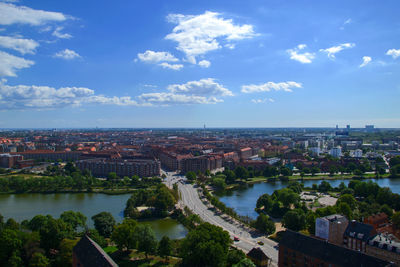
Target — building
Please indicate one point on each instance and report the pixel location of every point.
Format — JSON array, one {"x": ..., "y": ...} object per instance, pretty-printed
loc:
[
  {"x": 331, "y": 228},
  {"x": 201, "y": 163},
  {"x": 358, "y": 153},
  {"x": 88, "y": 253},
  {"x": 386, "y": 247},
  {"x": 51, "y": 155},
  {"x": 172, "y": 161},
  {"x": 315, "y": 151},
  {"x": 122, "y": 167},
  {"x": 9, "y": 161},
  {"x": 336, "y": 152},
  {"x": 377, "y": 220},
  {"x": 299, "y": 250},
  {"x": 258, "y": 257},
  {"x": 357, "y": 235},
  {"x": 245, "y": 153}
]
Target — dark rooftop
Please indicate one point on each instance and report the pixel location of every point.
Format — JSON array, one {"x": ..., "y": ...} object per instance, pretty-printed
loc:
[
  {"x": 90, "y": 254},
  {"x": 339, "y": 256}
]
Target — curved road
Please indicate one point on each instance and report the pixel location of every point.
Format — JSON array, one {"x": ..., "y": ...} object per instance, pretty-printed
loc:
[{"x": 248, "y": 238}]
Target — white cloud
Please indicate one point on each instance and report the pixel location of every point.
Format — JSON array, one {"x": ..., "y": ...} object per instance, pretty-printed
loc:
[
  {"x": 203, "y": 87},
  {"x": 155, "y": 57},
  {"x": 204, "y": 63},
  {"x": 331, "y": 51},
  {"x": 395, "y": 53},
  {"x": 166, "y": 65},
  {"x": 57, "y": 33},
  {"x": 204, "y": 91},
  {"x": 173, "y": 99},
  {"x": 348, "y": 21},
  {"x": 9, "y": 64},
  {"x": 300, "y": 57},
  {"x": 269, "y": 86},
  {"x": 197, "y": 35},
  {"x": 260, "y": 101},
  {"x": 67, "y": 54},
  {"x": 24, "y": 46},
  {"x": 12, "y": 14},
  {"x": 45, "y": 97},
  {"x": 366, "y": 60}
]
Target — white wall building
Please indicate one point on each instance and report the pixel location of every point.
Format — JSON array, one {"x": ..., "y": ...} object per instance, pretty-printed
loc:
[{"x": 336, "y": 152}]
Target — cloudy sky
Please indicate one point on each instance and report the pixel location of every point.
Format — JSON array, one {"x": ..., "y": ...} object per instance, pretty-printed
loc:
[{"x": 148, "y": 63}]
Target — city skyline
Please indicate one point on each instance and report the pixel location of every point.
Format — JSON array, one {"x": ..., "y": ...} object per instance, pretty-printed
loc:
[{"x": 156, "y": 64}]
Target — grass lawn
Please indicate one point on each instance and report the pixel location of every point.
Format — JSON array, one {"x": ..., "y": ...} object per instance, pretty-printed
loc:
[{"x": 137, "y": 258}]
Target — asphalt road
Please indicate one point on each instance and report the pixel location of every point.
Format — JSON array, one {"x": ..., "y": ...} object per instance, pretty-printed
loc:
[{"x": 248, "y": 238}]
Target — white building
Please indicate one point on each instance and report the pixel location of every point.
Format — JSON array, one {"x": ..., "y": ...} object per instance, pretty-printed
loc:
[
  {"x": 358, "y": 153},
  {"x": 315, "y": 151},
  {"x": 336, "y": 152}
]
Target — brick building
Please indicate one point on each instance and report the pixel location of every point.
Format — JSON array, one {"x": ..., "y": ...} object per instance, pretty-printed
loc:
[
  {"x": 172, "y": 161},
  {"x": 201, "y": 163},
  {"x": 299, "y": 250},
  {"x": 102, "y": 167},
  {"x": 51, "y": 155},
  {"x": 9, "y": 161}
]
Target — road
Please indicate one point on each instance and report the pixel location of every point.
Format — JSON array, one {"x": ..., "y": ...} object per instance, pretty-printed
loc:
[{"x": 248, "y": 238}]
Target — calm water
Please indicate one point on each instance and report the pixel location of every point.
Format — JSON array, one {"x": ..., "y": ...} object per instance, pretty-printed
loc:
[
  {"x": 26, "y": 206},
  {"x": 244, "y": 200}
]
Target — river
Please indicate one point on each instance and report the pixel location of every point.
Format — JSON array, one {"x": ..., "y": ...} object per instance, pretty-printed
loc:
[
  {"x": 243, "y": 200},
  {"x": 26, "y": 206}
]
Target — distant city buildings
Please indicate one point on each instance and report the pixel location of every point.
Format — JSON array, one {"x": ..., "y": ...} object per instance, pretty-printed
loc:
[{"x": 336, "y": 152}]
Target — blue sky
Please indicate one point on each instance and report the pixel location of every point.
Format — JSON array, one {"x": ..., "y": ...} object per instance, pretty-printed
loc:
[{"x": 184, "y": 64}]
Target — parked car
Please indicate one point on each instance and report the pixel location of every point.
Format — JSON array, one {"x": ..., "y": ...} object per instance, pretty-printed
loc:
[{"x": 235, "y": 238}]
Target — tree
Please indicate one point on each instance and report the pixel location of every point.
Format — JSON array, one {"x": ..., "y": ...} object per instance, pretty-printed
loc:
[
  {"x": 396, "y": 219},
  {"x": 74, "y": 219},
  {"x": 264, "y": 224},
  {"x": 219, "y": 183},
  {"x": 164, "y": 200},
  {"x": 394, "y": 161},
  {"x": 395, "y": 170},
  {"x": 112, "y": 176},
  {"x": 244, "y": 263},
  {"x": 286, "y": 171},
  {"x": 324, "y": 186},
  {"x": 387, "y": 210},
  {"x": 230, "y": 176},
  {"x": 191, "y": 176},
  {"x": 235, "y": 256},
  {"x": 207, "y": 173},
  {"x": 241, "y": 172},
  {"x": 40, "y": 260},
  {"x": 146, "y": 239},
  {"x": 348, "y": 199},
  {"x": 294, "y": 220},
  {"x": 9, "y": 243},
  {"x": 53, "y": 233},
  {"x": 165, "y": 247},
  {"x": 314, "y": 170},
  {"x": 265, "y": 201},
  {"x": 14, "y": 260},
  {"x": 345, "y": 209},
  {"x": 104, "y": 223},
  {"x": 206, "y": 245},
  {"x": 124, "y": 234},
  {"x": 64, "y": 257}
]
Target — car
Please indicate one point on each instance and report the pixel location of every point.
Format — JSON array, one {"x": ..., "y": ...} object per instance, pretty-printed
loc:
[
  {"x": 260, "y": 243},
  {"x": 235, "y": 238}
]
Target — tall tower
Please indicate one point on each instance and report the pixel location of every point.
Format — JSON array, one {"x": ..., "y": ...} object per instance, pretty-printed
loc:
[{"x": 204, "y": 131}]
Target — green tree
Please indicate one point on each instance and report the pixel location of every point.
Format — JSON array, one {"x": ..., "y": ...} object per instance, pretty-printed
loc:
[
  {"x": 241, "y": 172},
  {"x": 386, "y": 209},
  {"x": 191, "y": 176},
  {"x": 235, "y": 256},
  {"x": 347, "y": 198},
  {"x": 206, "y": 245},
  {"x": 230, "y": 176},
  {"x": 294, "y": 220},
  {"x": 104, "y": 223},
  {"x": 264, "y": 224},
  {"x": 315, "y": 170},
  {"x": 74, "y": 219},
  {"x": 14, "y": 260},
  {"x": 266, "y": 202},
  {"x": 164, "y": 200},
  {"x": 219, "y": 183},
  {"x": 124, "y": 234},
  {"x": 112, "y": 176},
  {"x": 53, "y": 232},
  {"x": 396, "y": 220},
  {"x": 285, "y": 171},
  {"x": 244, "y": 263},
  {"x": 345, "y": 209},
  {"x": 64, "y": 256},
  {"x": 395, "y": 170},
  {"x": 9, "y": 243},
  {"x": 146, "y": 239},
  {"x": 40, "y": 260},
  {"x": 165, "y": 247}
]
